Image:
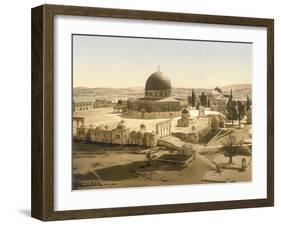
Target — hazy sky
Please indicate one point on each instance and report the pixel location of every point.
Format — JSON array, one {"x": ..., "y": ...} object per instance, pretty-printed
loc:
[{"x": 100, "y": 61}]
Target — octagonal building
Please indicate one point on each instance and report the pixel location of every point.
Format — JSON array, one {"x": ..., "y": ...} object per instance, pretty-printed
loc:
[{"x": 157, "y": 102}]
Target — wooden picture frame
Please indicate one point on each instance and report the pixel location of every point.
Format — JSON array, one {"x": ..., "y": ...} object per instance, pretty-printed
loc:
[{"x": 43, "y": 112}]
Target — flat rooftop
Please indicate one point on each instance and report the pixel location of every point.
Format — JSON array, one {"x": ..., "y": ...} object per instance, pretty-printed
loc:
[{"x": 106, "y": 116}]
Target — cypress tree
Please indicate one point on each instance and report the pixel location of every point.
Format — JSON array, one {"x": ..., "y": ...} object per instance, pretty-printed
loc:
[
  {"x": 240, "y": 111},
  {"x": 203, "y": 99},
  {"x": 208, "y": 103},
  {"x": 193, "y": 98},
  {"x": 248, "y": 103}
]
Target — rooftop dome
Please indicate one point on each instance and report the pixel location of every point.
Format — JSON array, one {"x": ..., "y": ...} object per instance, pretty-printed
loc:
[
  {"x": 158, "y": 81},
  {"x": 121, "y": 126},
  {"x": 142, "y": 126},
  {"x": 185, "y": 111},
  {"x": 139, "y": 134},
  {"x": 100, "y": 127}
]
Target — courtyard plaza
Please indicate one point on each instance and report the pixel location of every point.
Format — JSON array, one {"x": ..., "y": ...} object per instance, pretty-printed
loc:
[
  {"x": 106, "y": 116},
  {"x": 119, "y": 166}
]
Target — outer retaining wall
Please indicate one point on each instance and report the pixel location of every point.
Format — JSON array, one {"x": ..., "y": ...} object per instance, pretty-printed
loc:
[{"x": 153, "y": 115}]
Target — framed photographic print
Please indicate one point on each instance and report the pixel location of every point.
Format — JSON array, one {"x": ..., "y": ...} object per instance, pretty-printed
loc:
[{"x": 142, "y": 112}]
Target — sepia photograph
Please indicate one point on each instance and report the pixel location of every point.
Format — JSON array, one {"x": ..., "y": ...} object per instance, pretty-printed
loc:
[
  {"x": 159, "y": 111},
  {"x": 140, "y": 112}
]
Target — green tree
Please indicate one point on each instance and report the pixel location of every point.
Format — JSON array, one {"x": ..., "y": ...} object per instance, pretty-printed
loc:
[
  {"x": 231, "y": 108},
  {"x": 203, "y": 99},
  {"x": 248, "y": 103},
  {"x": 240, "y": 111},
  {"x": 231, "y": 111},
  {"x": 189, "y": 99},
  {"x": 214, "y": 124},
  {"x": 229, "y": 147},
  {"x": 234, "y": 112},
  {"x": 193, "y": 98}
]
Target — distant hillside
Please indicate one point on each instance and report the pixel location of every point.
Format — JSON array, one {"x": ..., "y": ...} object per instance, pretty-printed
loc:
[
  {"x": 237, "y": 86},
  {"x": 239, "y": 91},
  {"x": 102, "y": 91},
  {"x": 90, "y": 94}
]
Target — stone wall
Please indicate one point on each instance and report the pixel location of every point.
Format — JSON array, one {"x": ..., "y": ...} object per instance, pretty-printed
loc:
[
  {"x": 153, "y": 115},
  {"x": 117, "y": 136}
]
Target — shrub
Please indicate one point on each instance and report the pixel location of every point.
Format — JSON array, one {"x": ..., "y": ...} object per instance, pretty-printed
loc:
[{"x": 214, "y": 124}]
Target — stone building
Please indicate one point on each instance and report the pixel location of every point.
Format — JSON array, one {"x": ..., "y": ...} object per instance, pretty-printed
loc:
[
  {"x": 185, "y": 119},
  {"x": 157, "y": 102},
  {"x": 139, "y": 138},
  {"x": 120, "y": 106},
  {"x": 83, "y": 106},
  {"x": 101, "y": 134},
  {"x": 76, "y": 123},
  {"x": 121, "y": 134},
  {"x": 183, "y": 122},
  {"x": 118, "y": 135},
  {"x": 220, "y": 117},
  {"x": 98, "y": 103},
  {"x": 218, "y": 101},
  {"x": 151, "y": 139},
  {"x": 133, "y": 137},
  {"x": 80, "y": 133}
]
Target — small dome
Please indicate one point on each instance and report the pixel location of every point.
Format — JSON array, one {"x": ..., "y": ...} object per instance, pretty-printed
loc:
[
  {"x": 139, "y": 133},
  {"x": 185, "y": 111},
  {"x": 142, "y": 126},
  {"x": 121, "y": 126},
  {"x": 158, "y": 81},
  {"x": 100, "y": 127}
]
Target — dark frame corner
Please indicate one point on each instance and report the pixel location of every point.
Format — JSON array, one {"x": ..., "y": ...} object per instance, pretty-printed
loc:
[{"x": 42, "y": 203}]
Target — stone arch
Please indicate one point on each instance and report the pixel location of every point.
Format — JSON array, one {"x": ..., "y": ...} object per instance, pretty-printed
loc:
[
  {"x": 163, "y": 129},
  {"x": 78, "y": 120}
]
